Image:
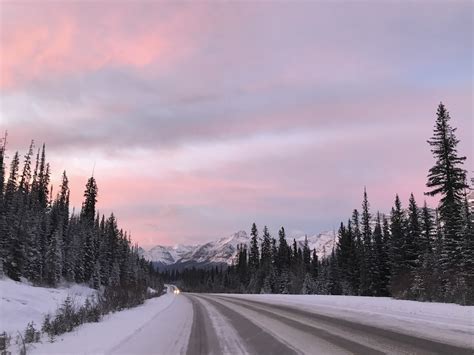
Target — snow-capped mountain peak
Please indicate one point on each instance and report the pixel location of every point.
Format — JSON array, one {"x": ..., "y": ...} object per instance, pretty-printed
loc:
[{"x": 224, "y": 250}]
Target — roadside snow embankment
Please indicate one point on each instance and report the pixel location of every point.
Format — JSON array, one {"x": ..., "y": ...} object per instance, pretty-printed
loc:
[
  {"x": 21, "y": 303},
  {"x": 451, "y": 323},
  {"x": 112, "y": 330}
]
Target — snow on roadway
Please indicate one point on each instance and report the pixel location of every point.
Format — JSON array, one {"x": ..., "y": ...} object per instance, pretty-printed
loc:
[
  {"x": 21, "y": 303},
  {"x": 229, "y": 340},
  {"x": 446, "y": 322}
]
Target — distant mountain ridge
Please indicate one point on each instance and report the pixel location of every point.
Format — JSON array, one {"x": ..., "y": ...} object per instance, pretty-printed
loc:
[{"x": 223, "y": 251}]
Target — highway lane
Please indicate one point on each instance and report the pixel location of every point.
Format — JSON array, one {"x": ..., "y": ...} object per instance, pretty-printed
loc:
[
  {"x": 198, "y": 324},
  {"x": 274, "y": 329}
]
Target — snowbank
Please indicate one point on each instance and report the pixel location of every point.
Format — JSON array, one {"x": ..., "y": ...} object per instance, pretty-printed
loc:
[
  {"x": 115, "y": 328},
  {"x": 21, "y": 303}
]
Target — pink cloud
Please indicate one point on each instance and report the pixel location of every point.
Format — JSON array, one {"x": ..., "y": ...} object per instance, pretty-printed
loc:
[
  {"x": 205, "y": 117},
  {"x": 80, "y": 38}
]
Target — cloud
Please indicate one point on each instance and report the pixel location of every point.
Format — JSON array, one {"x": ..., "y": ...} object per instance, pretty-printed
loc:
[{"x": 202, "y": 118}]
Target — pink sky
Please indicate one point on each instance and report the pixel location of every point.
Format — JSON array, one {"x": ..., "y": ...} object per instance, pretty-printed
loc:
[{"x": 204, "y": 117}]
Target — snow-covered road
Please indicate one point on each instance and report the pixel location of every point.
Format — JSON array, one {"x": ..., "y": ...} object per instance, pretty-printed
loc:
[{"x": 283, "y": 324}]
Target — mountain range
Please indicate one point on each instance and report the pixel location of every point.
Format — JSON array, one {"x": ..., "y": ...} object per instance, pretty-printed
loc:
[{"x": 222, "y": 251}]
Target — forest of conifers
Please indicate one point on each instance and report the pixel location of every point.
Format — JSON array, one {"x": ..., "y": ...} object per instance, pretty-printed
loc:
[
  {"x": 414, "y": 253},
  {"x": 42, "y": 242}
]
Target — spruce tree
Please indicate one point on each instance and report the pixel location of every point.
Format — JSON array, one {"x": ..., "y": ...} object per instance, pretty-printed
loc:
[
  {"x": 400, "y": 272},
  {"x": 427, "y": 230},
  {"x": 468, "y": 251},
  {"x": 366, "y": 262},
  {"x": 378, "y": 259},
  {"x": 314, "y": 264},
  {"x": 14, "y": 257},
  {"x": 54, "y": 260},
  {"x": 25, "y": 179},
  {"x": 345, "y": 258},
  {"x": 386, "y": 269},
  {"x": 309, "y": 286},
  {"x": 90, "y": 199},
  {"x": 411, "y": 245},
  {"x": 424, "y": 276},
  {"x": 447, "y": 179},
  {"x": 254, "y": 257},
  {"x": 358, "y": 250},
  {"x": 3, "y": 143},
  {"x": 266, "y": 248},
  {"x": 43, "y": 180},
  {"x": 284, "y": 251},
  {"x": 306, "y": 255},
  {"x": 3, "y": 222}
]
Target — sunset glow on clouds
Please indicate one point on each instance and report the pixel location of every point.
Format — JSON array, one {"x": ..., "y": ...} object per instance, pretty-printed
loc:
[{"x": 203, "y": 117}]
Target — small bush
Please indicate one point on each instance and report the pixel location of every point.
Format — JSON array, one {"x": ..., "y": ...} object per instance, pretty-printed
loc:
[
  {"x": 69, "y": 316},
  {"x": 5, "y": 340},
  {"x": 31, "y": 334},
  {"x": 114, "y": 298},
  {"x": 127, "y": 295}
]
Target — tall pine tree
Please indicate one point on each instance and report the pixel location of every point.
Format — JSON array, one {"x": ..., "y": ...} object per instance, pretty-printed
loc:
[{"x": 447, "y": 179}]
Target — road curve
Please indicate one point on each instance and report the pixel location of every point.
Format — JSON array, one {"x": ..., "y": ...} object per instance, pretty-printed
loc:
[
  {"x": 198, "y": 324},
  {"x": 265, "y": 328}
]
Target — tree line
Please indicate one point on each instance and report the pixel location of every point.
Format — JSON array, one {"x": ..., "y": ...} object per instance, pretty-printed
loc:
[
  {"x": 42, "y": 242},
  {"x": 414, "y": 253}
]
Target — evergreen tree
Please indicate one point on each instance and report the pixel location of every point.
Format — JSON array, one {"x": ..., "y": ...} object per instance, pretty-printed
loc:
[
  {"x": 378, "y": 260},
  {"x": 366, "y": 265},
  {"x": 345, "y": 258},
  {"x": 314, "y": 265},
  {"x": 266, "y": 248},
  {"x": 53, "y": 269},
  {"x": 447, "y": 178},
  {"x": 3, "y": 143},
  {"x": 14, "y": 258},
  {"x": 385, "y": 260},
  {"x": 3, "y": 222},
  {"x": 306, "y": 255},
  {"x": 400, "y": 272},
  {"x": 284, "y": 253},
  {"x": 309, "y": 286},
  {"x": 254, "y": 257},
  {"x": 359, "y": 252},
  {"x": 90, "y": 199},
  {"x": 427, "y": 230},
  {"x": 33, "y": 267},
  {"x": 96, "y": 279},
  {"x": 411, "y": 243},
  {"x": 43, "y": 180},
  {"x": 468, "y": 251}
]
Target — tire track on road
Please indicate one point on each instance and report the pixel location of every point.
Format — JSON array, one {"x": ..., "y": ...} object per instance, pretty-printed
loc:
[
  {"x": 317, "y": 335},
  {"x": 385, "y": 339},
  {"x": 203, "y": 339},
  {"x": 257, "y": 340}
]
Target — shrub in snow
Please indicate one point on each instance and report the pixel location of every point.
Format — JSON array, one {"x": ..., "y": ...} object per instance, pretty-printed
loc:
[
  {"x": 31, "y": 334},
  {"x": 69, "y": 316},
  {"x": 4, "y": 341}
]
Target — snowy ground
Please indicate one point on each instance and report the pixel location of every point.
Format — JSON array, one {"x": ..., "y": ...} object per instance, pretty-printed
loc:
[
  {"x": 21, "y": 303},
  {"x": 120, "y": 328},
  {"x": 176, "y": 324},
  {"x": 211, "y": 323},
  {"x": 115, "y": 329}
]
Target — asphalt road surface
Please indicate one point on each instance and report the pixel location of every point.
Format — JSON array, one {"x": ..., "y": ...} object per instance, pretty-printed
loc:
[{"x": 218, "y": 324}]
